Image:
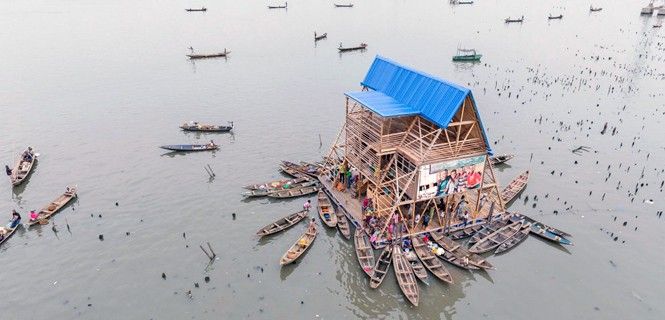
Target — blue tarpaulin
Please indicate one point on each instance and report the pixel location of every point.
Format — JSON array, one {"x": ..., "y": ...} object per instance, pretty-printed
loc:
[{"x": 396, "y": 90}]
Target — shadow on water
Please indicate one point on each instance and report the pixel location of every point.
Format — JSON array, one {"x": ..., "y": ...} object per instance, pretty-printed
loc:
[
  {"x": 486, "y": 275},
  {"x": 502, "y": 167}
]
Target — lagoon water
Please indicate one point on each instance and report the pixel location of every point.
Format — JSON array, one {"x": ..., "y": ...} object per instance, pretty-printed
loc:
[{"x": 96, "y": 86}]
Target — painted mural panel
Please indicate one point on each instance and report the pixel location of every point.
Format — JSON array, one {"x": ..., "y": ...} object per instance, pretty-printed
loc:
[{"x": 444, "y": 178}]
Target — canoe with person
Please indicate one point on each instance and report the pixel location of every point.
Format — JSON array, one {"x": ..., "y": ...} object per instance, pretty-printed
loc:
[
  {"x": 364, "y": 252},
  {"x": 381, "y": 267},
  {"x": 276, "y": 184},
  {"x": 267, "y": 191},
  {"x": 52, "y": 208},
  {"x": 285, "y": 6},
  {"x": 191, "y": 147},
  {"x": 454, "y": 253},
  {"x": 429, "y": 259},
  {"x": 349, "y": 5},
  {"x": 7, "y": 231},
  {"x": 282, "y": 223},
  {"x": 223, "y": 54},
  {"x": 320, "y": 36},
  {"x": 361, "y": 46},
  {"x": 303, "y": 243},
  {"x": 405, "y": 277},
  {"x": 202, "y": 9},
  {"x": 23, "y": 167},
  {"x": 326, "y": 210},
  {"x": 195, "y": 126}
]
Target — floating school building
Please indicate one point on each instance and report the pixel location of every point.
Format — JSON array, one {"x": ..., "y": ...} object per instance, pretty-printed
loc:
[{"x": 415, "y": 147}]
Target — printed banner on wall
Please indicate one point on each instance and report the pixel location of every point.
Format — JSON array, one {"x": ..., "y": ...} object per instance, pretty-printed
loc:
[{"x": 444, "y": 178}]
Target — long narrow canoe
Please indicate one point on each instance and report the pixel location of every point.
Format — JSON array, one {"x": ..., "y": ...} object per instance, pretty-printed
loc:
[
  {"x": 209, "y": 55},
  {"x": 282, "y": 223},
  {"x": 6, "y": 233},
  {"x": 516, "y": 186},
  {"x": 457, "y": 255},
  {"x": 198, "y": 127},
  {"x": 466, "y": 232},
  {"x": 364, "y": 252},
  {"x": 381, "y": 267},
  {"x": 53, "y": 207},
  {"x": 431, "y": 262},
  {"x": 309, "y": 169},
  {"x": 266, "y": 191},
  {"x": 298, "y": 248},
  {"x": 467, "y": 257},
  {"x": 22, "y": 170},
  {"x": 417, "y": 266},
  {"x": 343, "y": 224},
  {"x": 518, "y": 216},
  {"x": 499, "y": 159},
  {"x": 489, "y": 228},
  {"x": 190, "y": 147},
  {"x": 292, "y": 171},
  {"x": 405, "y": 277},
  {"x": 326, "y": 210},
  {"x": 515, "y": 239},
  {"x": 292, "y": 193},
  {"x": 275, "y": 184},
  {"x": 495, "y": 239}
]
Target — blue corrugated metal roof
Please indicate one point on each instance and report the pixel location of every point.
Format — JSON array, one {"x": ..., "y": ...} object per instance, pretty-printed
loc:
[{"x": 400, "y": 91}]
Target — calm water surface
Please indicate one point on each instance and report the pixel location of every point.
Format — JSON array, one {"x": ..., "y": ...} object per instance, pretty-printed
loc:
[{"x": 95, "y": 86}]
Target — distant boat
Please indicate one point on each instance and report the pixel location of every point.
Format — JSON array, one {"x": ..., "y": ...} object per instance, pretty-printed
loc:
[
  {"x": 206, "y": 56},
  {"x": 362, "y": 46},
  {"x": 464, "y": 2},
  {"x": 520, "y": 20},
  {"x": 350, "y": 5},
  {"x": 279, "y": 7},
  {"x": 551, "y": 17},
  {"x": 592, "y": 9},
  {"x": 320, "y": 37},
  {"x": 195, "y": 126},
  {"x": 190, "y": 147},
  {"x": 648, "y": 10},
  {"x": 203, "y": 9},
  {"x": 466, "y": 55}
]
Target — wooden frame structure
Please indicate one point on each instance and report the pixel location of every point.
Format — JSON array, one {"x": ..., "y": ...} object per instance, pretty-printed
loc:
[{"x": 389, "y": 152}]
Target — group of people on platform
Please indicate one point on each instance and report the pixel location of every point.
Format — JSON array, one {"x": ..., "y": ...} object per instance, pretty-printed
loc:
[{"x": 345, "y": 177}]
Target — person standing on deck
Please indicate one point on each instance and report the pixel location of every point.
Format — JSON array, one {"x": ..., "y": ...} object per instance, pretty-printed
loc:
[
  {"x": 461, "y": 210},
  {"x": 425, "y": 221},
  {"x": 307, "y": 205}
]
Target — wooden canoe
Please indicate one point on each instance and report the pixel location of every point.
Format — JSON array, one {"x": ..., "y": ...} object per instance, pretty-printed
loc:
[
  {"x": 350, "y": 5},
  {"x": 298, "y": 248},
  {"x": 417, "y": 266},
  {"x": 381, "y": 267},
  {"x": 362, "y": 46},
  {"x": 305, "y": 168},
  {"x": 489, "y": 228},
  {"x": 515, "y": 239},
  {"x": 53, "y": 207},
  {"x": 431, "y": 262},
  {"x": 515, "y": 187},
  {"x": 364, "y": 252},
  {"x": 279, "y": 7},
  {"x": 190, "y": 147},
  {"x": 275, "y": 184},
  {"x": 22, "y": 170},
  {"x": 499, "y": 159},
  {"x": 465, "y": 232},
  {"x": 343, "y": 224},
  {"x": 6, "y": 233},
  {"x": 292, "y": 193},
  {"x": 519, "y": 216},
  {"x": 495, "y": 239},
  {"x": 457, "y": 255},
  {"x": 197, "y": 127},
  {"x": 326, "y": 210},
  {"x": 209, "y": 55},
  {"x": 405, "y": 277},
  {"x": 320, "y": 37},
  {"x": 546, "y": 232},
  {"x": 202, "y": 9},
  {"x": 282, "y": 223},
  {"x": 265, "y": 192}
]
